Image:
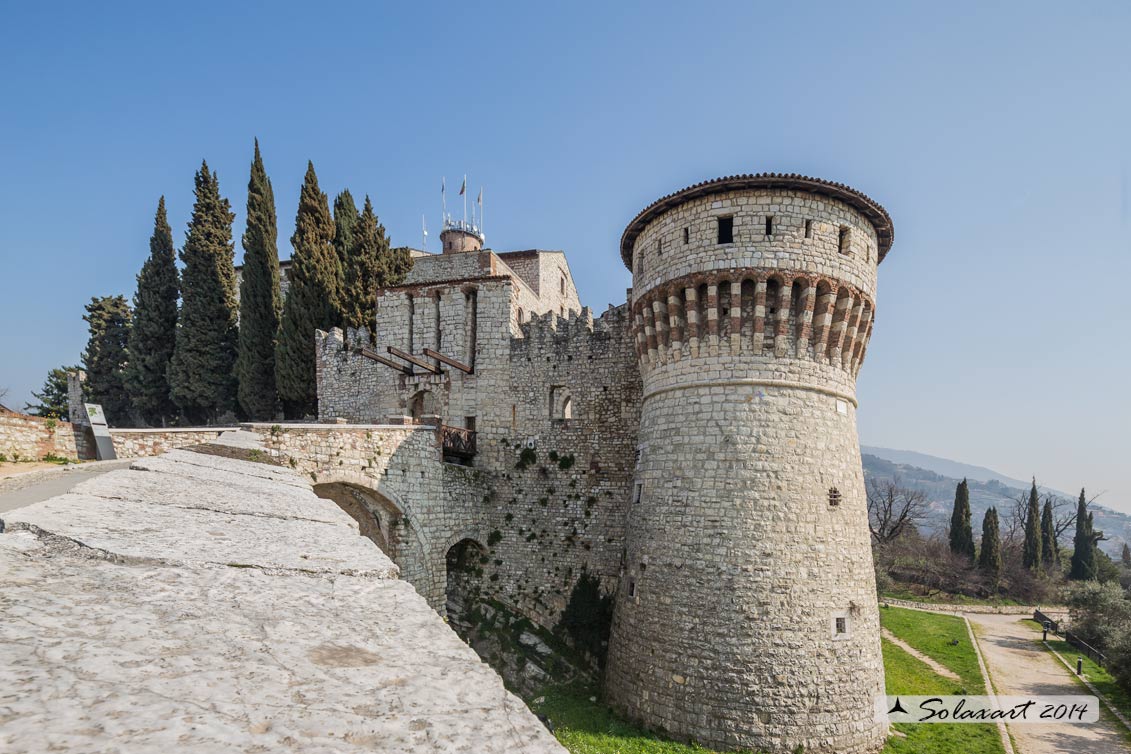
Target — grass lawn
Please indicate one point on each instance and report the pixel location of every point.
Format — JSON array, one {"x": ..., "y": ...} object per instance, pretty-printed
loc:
[
  {"x": 943, "y": 638},
  {"x": 586, "y": 727},
  {"x": 932, "y": 635}
]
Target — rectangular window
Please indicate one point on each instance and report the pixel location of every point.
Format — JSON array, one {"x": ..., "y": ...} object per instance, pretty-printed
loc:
[
  {"x": 563, "y": 285},
  {"x": 726, "y": 230},
  {"x": 842, "y": 241},
  {"x": 686, "y": 236},
  {"x": 808, "y": 228},
  {"x": 769, "y": 226},
  {"x": 469, "y": 423},
  {"x": 636, "y": 492},
  {"x": 841, "y": 626},
  {"x": 632, "y": 587}
]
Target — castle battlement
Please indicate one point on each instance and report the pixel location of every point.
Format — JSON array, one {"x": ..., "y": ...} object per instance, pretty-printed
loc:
[{"x": 694, "y": 448}]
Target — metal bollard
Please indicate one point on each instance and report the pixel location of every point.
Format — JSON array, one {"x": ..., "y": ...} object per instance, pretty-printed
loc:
[{"x": 1079, "y": 666}]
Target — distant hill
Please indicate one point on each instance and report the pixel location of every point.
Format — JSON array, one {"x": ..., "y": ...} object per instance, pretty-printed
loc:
[{"x": 937, "y": 478}]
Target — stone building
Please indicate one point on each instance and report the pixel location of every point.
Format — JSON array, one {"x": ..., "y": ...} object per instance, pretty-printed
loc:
[{"x": 694, "y": 448}]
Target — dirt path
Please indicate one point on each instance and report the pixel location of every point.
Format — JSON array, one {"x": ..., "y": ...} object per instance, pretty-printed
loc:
[
  {"x": 1019, "y": 666},
  {"x": 942, "y": 670}
]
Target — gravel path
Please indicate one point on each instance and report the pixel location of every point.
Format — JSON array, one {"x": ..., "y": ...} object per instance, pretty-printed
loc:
[{"x": 1019, "y": 666}]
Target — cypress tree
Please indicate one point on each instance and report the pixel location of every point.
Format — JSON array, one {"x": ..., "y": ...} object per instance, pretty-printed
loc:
[
  {"x": 398, "y": 265},
  {"x": 961, "y": 535},
  {"x": 366, "y": 270},
  {"x": 312, "y": 302},
  {"x": 202, "y": 370},
  {"x": 154, "y": 331},
  {"x": 1126, "y": 556},
  {"x": 1084, "y": 544},
  {"x": 1032, "y": 555},
  {"x": 106, "y": 355},
  {"x": 346, "y": 218},
  {"x": 989, "y": 559},
  {"x": 1050, "y": 551},
  {"x": 260, "y": 300}
]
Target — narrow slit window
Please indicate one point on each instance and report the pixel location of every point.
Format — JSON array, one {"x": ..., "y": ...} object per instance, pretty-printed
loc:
[
  {"x": 841, "y": 626},
  {"x": 769, "y": 226},
  {"x": 686, "y": 236},
  {"x": 660, "y": 247},
  {"x": 632, "y": 587},
  {"x": 842, "y": 242},
  {"x": 726, "y": 230},
  {"x": 808, "y": 228}
]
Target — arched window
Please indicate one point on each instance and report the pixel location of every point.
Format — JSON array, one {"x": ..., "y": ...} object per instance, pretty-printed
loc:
[{"x": 567, "y": 408}]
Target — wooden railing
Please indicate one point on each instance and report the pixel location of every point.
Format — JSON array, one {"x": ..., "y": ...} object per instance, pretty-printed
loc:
[{"x": 457, "y": 442}]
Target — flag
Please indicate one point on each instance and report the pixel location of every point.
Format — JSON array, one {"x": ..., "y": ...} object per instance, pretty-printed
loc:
[
  {"x": 463, "y": 186},
  {"x": 443, "y": 186},
  {"x": 479, "y": 201}
]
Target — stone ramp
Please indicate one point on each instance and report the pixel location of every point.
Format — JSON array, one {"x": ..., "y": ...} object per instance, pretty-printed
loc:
[{"x": 205, "y": 604}]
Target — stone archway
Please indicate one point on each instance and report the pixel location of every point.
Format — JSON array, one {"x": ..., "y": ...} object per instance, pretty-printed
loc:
[
  {"x": 464, "y": 560},
  {"x": 378, "y": 518},
  {"x": 390, "y": 523}
]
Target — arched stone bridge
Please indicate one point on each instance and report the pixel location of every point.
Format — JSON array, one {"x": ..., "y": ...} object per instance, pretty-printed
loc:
[{"x": 423, "y": 513}]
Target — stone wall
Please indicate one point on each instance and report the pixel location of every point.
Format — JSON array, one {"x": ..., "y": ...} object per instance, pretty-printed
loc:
[
  {"x": 28, "y": 438},
  {"x": 563, "y": 510},
  {"x": 542, "y": 524},
  {"x": 139, "y": 443},
  {"x": 423, "y": 506}
]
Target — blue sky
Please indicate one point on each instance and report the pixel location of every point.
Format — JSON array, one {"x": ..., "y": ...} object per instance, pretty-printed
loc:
[{"x": 995, "y": 134}]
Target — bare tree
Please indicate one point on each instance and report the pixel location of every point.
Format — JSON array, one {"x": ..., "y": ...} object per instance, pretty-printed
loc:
[{"x": 893, "y": 510}]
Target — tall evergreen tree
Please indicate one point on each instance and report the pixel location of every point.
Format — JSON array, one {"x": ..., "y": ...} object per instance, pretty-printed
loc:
[
  {"x": 1032, "y": 555},
  {"x": 989, "y": 559},
  {"x": 1126, "y": 556},
  {"x": 54, "y": 397},
  {"x": 1050, "y": 550},
  {"x": 1084, "y": 544},
  {"x": 367, "y": 269},
  {"x": 202, "y": 370},
  {"x": 961, "y": 535},
  {"x": 260, "y": 301},
  {"x": 154, "y": 331},
  {"x": 398, "y": 265},
  {"x": 346, "y": 218},
  {"x": 106, "y": 356},
  {"x": 312, "y": 302}
]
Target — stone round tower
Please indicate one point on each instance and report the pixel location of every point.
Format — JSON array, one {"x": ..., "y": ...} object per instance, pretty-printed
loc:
[{"x": 747, "y": 613}]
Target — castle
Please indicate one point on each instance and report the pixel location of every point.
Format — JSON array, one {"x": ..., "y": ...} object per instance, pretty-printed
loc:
[{"x": 694, "y": 448}]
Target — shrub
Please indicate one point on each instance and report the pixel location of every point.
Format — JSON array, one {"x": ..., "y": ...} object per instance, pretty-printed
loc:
[{"x": 526, "y": 458}]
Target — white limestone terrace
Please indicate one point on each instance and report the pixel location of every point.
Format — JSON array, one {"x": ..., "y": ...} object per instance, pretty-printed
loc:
[{"x": 199, "y": 603}]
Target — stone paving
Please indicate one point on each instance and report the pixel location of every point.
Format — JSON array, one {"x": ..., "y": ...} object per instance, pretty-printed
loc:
[{"x": 200, "y": 603}]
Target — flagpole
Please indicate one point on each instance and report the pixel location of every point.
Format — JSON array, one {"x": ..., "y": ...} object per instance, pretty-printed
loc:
[
  {"x": 424, "y": 230},
  {"x": 443, "y": 200},
  {"x": 464, "y": 192}
]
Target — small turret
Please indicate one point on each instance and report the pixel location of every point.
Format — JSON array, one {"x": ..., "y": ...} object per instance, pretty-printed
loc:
[{"x": 459, "y": 236}]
